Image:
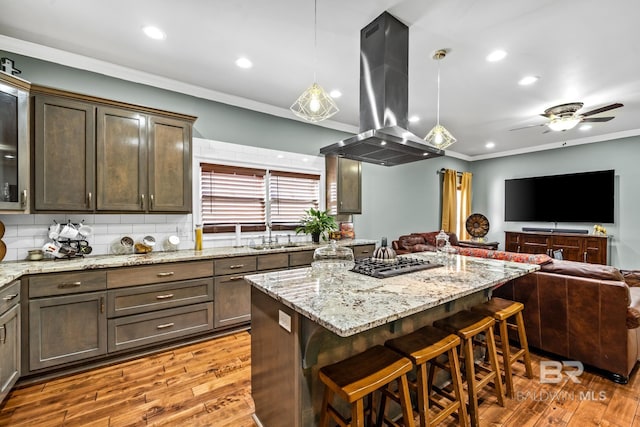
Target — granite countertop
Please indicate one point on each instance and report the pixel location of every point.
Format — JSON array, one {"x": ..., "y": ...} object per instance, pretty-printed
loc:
[
  {"x": 348, "y": 303},
  {"x": 12, "y": 270}
]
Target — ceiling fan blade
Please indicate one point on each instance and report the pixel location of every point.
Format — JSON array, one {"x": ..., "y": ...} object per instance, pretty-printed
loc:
[
  {"x": 602, "y": 109},
  {"x": 547, "y": 131},
  {"x": 597, "y": 119},
  {"x": 529, "y": 126}
]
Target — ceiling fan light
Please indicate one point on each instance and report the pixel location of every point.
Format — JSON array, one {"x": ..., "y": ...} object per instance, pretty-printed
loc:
[
  {"x": 440, "y": 137},
  {"x": 561, "y": 124},
  {"x": 314, "y": 104}
]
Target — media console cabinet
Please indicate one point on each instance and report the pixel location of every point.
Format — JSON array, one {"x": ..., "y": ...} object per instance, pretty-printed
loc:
[{"x": 587, "y": 248}]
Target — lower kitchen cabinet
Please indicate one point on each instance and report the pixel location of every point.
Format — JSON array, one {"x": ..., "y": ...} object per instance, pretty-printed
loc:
[
  {"x": 66, "y": 329},
  {"x": 9, "y": 338},
  {"x": 233, "y": 301},
  {"x": 149, "y": 328}
]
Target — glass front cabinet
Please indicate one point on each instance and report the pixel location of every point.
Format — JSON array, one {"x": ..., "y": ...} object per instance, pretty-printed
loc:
[{"x": 14, "y": 146}]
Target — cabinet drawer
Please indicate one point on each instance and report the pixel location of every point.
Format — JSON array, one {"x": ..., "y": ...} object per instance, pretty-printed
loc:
[
  {"x": 66, "y": 283},
  {"x": 158, "y": 273},
  {"x": 9, "y": 296},
  {"x": 143, "y": 299},
  {"x": 273, "y": 261},
  {"x": 302, "y": 258},
  {"x": 363, "y": 251},
  {"x": 241, "y": 264},
  {"x": 142, "y": 329}
]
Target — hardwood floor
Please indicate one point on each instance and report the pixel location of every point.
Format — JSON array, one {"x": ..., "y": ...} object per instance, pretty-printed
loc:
[{"x": 209, "y": 384}]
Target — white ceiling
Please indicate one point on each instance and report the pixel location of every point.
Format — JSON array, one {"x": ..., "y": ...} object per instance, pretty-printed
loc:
[{"x": 583, "y": 50}]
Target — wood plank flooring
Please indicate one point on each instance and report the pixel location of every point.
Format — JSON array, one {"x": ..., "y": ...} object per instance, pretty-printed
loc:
[{"x": 209, "y": 384}]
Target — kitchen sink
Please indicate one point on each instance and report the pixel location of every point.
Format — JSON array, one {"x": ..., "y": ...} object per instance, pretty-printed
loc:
[{"x": 279, "y": 246}]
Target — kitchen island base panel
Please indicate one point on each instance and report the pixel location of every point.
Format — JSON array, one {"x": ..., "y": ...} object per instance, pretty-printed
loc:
[{"x": 285, "y": 364}]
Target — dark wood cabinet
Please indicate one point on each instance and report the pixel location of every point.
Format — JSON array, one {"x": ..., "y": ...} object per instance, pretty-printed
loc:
[
  {"x": 93, "y": 154},
  {"x": 9, "y": 338},
  {"x": 64, "y": 154},
  {"x": 343, "y": 185},
  {"x": 66, "y": 329},
  {"x": 169, "y": 165},
  {"x": 121, "y": 146},
  {"x": 232, "y": 305},
  {"x": 573, "y": 247},
  {"x": 14, "y": 147}
]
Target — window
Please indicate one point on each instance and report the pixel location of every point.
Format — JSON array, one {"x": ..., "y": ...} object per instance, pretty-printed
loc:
[{"x": 253, "y": 197}]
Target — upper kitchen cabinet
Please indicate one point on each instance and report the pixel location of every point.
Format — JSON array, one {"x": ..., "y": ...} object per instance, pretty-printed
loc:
[
  {"x": 344, "y": 185},
  {"x": 64, "y": 145},
  {"x": 122, "y": 158},
  {"x": 14, "y": 143}
]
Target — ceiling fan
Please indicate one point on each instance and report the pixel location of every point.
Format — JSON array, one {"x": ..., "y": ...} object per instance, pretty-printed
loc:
[{"x": 565, "y": 116}]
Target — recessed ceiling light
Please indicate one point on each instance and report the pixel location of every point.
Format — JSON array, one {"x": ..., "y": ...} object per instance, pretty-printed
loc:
[
  {"x": 414, "y": 119},
  {"x": 305, "y": 159},
  {"x": 496, "y": 55},
  {"x": 280, "y": 156},
  {"x": 490, "y": 144},
  {"x": 383, "y": 142},
  {"x": 335, "y": 93},
  {"x": 585, "y": 127},
  {"x": 244, "y": 62},
  {"x": 528, "y": 80},
  {"x": 154, "y": 32}
]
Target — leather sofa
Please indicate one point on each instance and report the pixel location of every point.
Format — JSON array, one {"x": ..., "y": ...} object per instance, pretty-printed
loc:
[
  {"x": 581, "y": 312},
  {"x": 573, "y": 310},
  {"x": 426, "y": 241}
]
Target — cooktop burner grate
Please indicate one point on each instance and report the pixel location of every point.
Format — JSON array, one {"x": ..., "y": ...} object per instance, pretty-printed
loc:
[{"x": 381, "y": 270}]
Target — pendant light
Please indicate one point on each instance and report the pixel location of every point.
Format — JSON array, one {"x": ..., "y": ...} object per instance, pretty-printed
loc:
[
  {"x": 314, "y": 104},
  {"x": 439, "y": 136}
]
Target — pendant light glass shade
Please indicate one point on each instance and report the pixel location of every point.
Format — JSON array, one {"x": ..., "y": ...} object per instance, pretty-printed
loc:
[
  {"x": 314, "y": 105},
  {"x": 439, "y": 136}
]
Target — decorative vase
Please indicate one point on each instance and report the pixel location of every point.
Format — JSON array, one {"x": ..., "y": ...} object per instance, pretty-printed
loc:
[{"x": 315, "y": 237}]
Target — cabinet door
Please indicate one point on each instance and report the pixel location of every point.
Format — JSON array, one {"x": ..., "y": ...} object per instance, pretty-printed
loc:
[
  {"x": 532, "y": 244},
  {"x": 64, "y": 154},
  {"x": 121, "y": 179},
  {"x": 595, "y": 250},
  {"x": 169, "y": 165},
  {"x": 14, "y": 147},
  {"x": 9, "y": 350},
  {"x": 349, "y": 186},
  {"x": 511, "y": 242},
  {"x": 66, "y": 329},
  {"x": 232, "y": 301},
  {"x": 571, "y": 247}
]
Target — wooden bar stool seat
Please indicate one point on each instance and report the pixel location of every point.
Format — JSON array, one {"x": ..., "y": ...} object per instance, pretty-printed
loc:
[
  {"x": 468, "y": 325},
  {"x": 357, "y": 377},
  {"x": 423, "y": 347},
  {"x": 502, "y": 310}
]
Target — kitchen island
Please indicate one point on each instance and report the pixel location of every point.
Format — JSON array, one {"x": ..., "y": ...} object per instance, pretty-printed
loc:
[{"x": 303, "y": 319}]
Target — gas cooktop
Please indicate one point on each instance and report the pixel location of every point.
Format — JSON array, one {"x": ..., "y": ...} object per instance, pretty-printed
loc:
[{"x": 381, "y": 270}]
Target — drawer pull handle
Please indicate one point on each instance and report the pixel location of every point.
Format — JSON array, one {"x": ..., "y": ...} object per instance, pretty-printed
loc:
[
  {"x": 3, "y": 335},
  {"x": 165, "y": 326},
  {"x": 365, "y": 252},
  {"x": 164, "y": 296},
  {"x": 69, "y": 285},
  {"x": 10, "y": 297},
  {"x": 236, "y": 266},
  {"x": 168, "y": 273},
  {"x": 236, "y": 278}
]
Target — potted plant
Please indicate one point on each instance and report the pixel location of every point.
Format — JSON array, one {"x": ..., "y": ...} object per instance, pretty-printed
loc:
[{"x": 316, "y": 222}]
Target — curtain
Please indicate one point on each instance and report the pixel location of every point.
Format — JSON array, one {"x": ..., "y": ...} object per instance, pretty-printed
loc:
[
  {"x": 449, "y": 201},
  {"x": 465, "y": 205}
]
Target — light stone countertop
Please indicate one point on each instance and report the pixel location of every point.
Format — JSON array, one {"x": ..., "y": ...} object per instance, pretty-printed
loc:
[
  {"x": 349, "y": 303},
  {"x": 12, "y": 270}
]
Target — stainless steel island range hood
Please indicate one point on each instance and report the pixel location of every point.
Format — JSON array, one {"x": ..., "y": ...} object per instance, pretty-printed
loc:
[{"x": 384, "y": 100}]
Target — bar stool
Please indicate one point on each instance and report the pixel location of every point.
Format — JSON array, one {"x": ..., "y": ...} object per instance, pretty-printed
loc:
[
  {"x": 502, "y": 310},
  {"x": 357, "y": 377},
  {"x": 423, "y": 347},
  {"x": 468, "y": 325}
]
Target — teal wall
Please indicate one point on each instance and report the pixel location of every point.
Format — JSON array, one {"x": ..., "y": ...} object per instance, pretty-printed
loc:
[{"x": 621, "y": 155}]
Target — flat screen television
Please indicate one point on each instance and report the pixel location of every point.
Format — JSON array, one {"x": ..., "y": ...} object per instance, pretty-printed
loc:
[{"x": 576, "y": 197}]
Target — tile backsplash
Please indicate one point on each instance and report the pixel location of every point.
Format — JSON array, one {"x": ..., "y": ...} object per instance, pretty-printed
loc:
[{"x": 25, "y": 232}]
